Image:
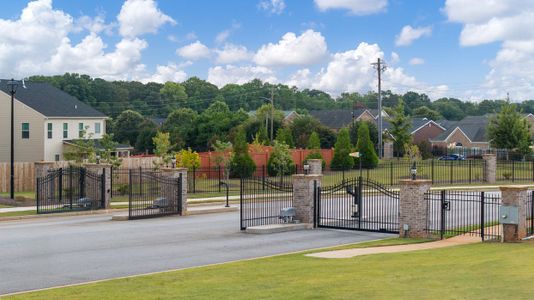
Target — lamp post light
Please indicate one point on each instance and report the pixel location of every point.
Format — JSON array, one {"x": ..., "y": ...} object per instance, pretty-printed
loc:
[
  {"x": 413, "y": 171},
  {"x": 98, "y": 159},
  {"x": 12, "y": 84},
  {"x": 306, "y": 169},
  {"x": 173, "y": 161}
]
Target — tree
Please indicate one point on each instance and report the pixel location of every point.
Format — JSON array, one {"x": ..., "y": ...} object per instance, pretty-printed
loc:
[
  {"x": 400, "y": 128},
  {"x": 215, "y": 123},
  {"x": 284, "y": 135},
  {"x": 242, "y": 165},
  {"x": 180, "y": 124},
  {"x": 425, "y": 112},
  {"x": 509, "y": 130},
  {"x": 82, "y": 149},
  {"x": 314, "y": 144},
  {"x": 174, "y": 95},
  {"x": 162, "y": 148},
  {"x": 280, "y": 162},
  {"x": 368, "y": 156},
  {"x": 144, "y": 142},
  {"x": 223, "y": 156},
  {"x": 342, "y": 149},
  {"x": 108, "y": 147},
  {"x": 373, "y": 131},
  {"x": 187, "y": 159},
  {"x": 127, "y": 126},
  {"x": 262, "y": 136}
]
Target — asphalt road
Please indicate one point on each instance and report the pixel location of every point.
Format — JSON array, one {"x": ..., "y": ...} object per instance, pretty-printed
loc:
[{"x": 66, "y": 250}]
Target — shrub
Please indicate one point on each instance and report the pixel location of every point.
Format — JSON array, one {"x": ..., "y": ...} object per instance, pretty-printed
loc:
[
  {"x": 314, "y": 144},
  {"x": 366, "y": 148},
  {"x": 188, "y": 159},
  {"x": 280, "y": 161},
  {"x": 342, "y": 148},
  {"x": 242, "y": 165}
]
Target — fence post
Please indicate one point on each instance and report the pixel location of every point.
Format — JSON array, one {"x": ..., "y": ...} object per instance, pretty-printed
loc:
[
  {"x": 432, "y": 170},
  {"x": 70, "y": 186},
  {"x": 515, "y": 196},
  {"x": 102, "y": 170},
  {"x": 490, "y": 167},
  {"x": 513, "y": 171},
  {"x": 443, "y": 195},
  {"x": 194, "y": 180},
  {"x": 470, "y": 165},
  {"x": 451, "y": 171},
  {"x": 42, "y": 168},
  {"x": 304, "y": 192},
  {"x": 482, "y": 218},
  {"x": 391, "y": 173},
  {"x": 413, "y": 208},
  {"x": 263, "y": 178},
  {"x": 180, "y": 174},
  {"x": 219, "y": 177}
]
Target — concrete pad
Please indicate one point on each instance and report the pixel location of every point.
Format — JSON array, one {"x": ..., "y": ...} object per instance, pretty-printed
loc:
[
  {"x": 277, "y": 228},
  {"x": 199, "y": 210}
]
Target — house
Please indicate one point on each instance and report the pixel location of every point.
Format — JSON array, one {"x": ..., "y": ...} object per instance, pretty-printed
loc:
[
  {"x": 289, "y": 115},
  {"x": 424, "y": 129},
  {"x": 46, "y": 120},
  {"x": 469, "y": 132}
]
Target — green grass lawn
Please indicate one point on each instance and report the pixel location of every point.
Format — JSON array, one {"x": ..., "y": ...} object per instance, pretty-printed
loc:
[
  {"x": 18, "y": 213},
  {"x": 29, "y": 194},
  {"x": 477, "y": 271}
]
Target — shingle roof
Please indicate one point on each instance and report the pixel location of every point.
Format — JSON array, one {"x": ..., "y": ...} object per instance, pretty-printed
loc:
[
  {"x": 337, "y": 118},
  {"x": 51, "y": 101},
  {"x": 474, "y": 128}
]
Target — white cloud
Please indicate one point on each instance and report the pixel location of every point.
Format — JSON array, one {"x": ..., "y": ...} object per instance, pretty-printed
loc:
[
  {"x": 222, "y": 76},
  {"x": 141, "y": 16},
  {"x": 194, "y": 51},
  {"x": 170, "y": 72},
  {"x": 356, "y": 7},
  {"x": 222, "y": 36},
  {"x": 301, "y": 78},
  {"x": 395, "y": 58},
  {"x": 409, "y": 34},
  {"x": 96, "y": 24},
  {"x": 416, "y": 61},
  {"x": 232, "y": 53},
  {"x": 308, "y": 48},
  {"x": 505, "y": 22},
  {"x": 272, "y": 6}
]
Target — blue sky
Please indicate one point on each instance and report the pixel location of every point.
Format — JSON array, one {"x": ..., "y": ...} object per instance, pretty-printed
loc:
[{"x": 460, "y": 48}]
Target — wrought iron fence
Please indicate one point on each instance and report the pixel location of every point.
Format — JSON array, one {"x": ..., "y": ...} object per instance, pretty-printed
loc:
[
  {"x": 70, "y": 189},
  {"x": 452, "y": 213},
  {"x": 261, "y": 201},
  {"x": 514, "y": 171},
  {"x": 153, "y": 195},
  {"x": 530, "y": 213}
]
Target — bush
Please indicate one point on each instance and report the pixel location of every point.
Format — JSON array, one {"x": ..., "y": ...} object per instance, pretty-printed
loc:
[
  {"x": 315, "y": 155},
  {"x": 342, "y": 148},
  {"x": 314, "y": 144},
  {"x": 366, "y": 148},
  {"x": 242, "y": 165},
  {"x": 280, "y": 161},
  {"x": 187, "y": 159}
]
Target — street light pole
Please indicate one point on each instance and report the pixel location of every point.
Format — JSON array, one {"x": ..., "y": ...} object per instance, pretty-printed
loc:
[{"x": 13, "y": 85}]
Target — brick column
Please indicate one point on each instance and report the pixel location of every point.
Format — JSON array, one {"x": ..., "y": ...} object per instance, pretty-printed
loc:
[
  {"x": 515, "y": 196},
  {"x": 175, "y": 173},
  {"x": 490, "y": 167},
  {"x": 316, "y": 166},
  {"x": 413, "y": 208},
  {"x": 388, "y": 150},
  {"x": 303, "y": 193},
  {"x": 90, "y": 189},
  {"x": 41, "y": 169}
]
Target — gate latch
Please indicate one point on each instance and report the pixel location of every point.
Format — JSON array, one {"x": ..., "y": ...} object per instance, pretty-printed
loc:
[{"x": 446, "y": 205}]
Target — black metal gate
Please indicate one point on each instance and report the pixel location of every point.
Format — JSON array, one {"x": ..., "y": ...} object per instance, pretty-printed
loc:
[
  {"x": 70, "y": 189},
  {"x": 153, "y": 195},
  {"x": 357, "y": 204},
  {"x": 261, "y": 201},
  {"x": 452, "y": 213}
]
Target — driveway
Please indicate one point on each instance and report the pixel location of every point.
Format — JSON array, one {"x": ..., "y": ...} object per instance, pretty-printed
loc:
[{"x": 66, "y": 250}]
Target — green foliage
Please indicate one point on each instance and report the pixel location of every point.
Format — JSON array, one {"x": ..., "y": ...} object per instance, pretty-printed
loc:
[
  {"x": 242, "y": 165},
  {"x": 509, "y": 130},
  {"x": 262, "y": 136},
  {"x": 187, "y": 159},
  {"x": 314, "y": 144},
  {"x": 303, "y": 126},
  {"x": 174, "y": 95},
  {"x": 108, "y": 148},
  {"x": 400, "y": 128},
  {"x": 342, "y": 149},
  {"x": 425, "y": 112},
  {"x": 223, "y": 156},
  {"x": 373, "y": 131},
  {"x": 215, "y": 123},
  {"x": 280, "y": 161},
  {"x": 144, "y": 142},
  {"x": 128, "y": 126},
  {"x": 368, "y": 156},
  {"x": 82, "y": 150},
  {"x": 412, "y": 152},
  {"x": 426, "y": 149},
  {"x": 180, "y": 124},
  {"x": 162, "y": 147},
  {"x": 284, "y": 135}
]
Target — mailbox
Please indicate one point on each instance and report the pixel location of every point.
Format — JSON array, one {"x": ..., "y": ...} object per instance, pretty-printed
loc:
[{"x": 508, "y": 214}]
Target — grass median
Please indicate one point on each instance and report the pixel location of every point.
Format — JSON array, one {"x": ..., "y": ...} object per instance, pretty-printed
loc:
[{"x": 477, "y": 271}]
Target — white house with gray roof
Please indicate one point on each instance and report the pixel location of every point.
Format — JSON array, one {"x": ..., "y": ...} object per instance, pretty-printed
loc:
[{"x": 46, "y": 119}]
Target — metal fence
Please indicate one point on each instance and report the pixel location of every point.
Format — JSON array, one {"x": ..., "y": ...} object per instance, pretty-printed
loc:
[
  {"x": 515, "y": 171},
  {"x": 153, "y": 195},
  {"x": 70, "y": 189},
  {"x": 530, "y": 213},
  {"x": 357, "y": 204},
  {"x": 452, "y": 213},
  {"x": 261, "y": 201}
]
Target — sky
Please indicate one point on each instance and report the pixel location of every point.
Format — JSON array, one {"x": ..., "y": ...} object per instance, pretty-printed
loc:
[{"x": 467, "y": 49}]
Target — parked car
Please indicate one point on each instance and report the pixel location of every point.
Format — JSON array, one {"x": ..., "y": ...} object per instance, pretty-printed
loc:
[{"x": 452, "y": 157}]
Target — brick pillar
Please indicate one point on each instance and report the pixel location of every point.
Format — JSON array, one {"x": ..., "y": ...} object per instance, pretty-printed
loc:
[
  {"x": 515, "y": 196},
  {"x": 388, "y": 150},
  {"x": 41, "y": 170},
  {"x": 91, "y": 189},
  {"x": 175, "y": 173},
  {"x": 490, "y": 167},
  {"x": 303, "y": 194},
  {"x": 413, "y": 208},
  {"x": 316, "y": 166}
]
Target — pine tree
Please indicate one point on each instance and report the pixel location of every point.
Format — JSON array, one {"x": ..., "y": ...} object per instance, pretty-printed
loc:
[
  {"x": 400, "y": 128},
  {"x": 342, "y": 148},
  {"x": 366, "y": 148},
  {"x": 280, "y": 162},
  {"x": 314, "y": 144},
  {"x": 262, "y": 136},
  {"x": 284, "y": 135},
  {"x": 509, "y": 130},
  {"x": 242, "y": 165}
]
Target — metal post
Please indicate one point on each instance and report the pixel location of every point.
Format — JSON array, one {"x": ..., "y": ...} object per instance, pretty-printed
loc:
[
  {"x": 531, "y": 213},
  {"x": 130, "y": 193},
  {"x": 263, "y": 178},
  {"x": 450, "y": 175},
  {"x": 432, "y": 170},
  {"x": 482, "y": 209},
  {"x": 60, "y": 185},
  {"x": 70, "y": 187},
  {"x": 241, "y": 204},
  {"x": 315, "y": 204},
  {"x": 103, "y": 186},
  {"x": 194, "y": 179},
  {"x": 12, "y": 158},
  {"x": 442, "y": 210},
  {"x": 469, "y": 163},
  {"x": 38, "y": 192},
  {"x": 360, "y": 208},
  {"x": 180, "y": 195},
  {"x": 390, "y": 173},
  {"x": 219, "y": 177},
  {"x": 513, "y": 171}
]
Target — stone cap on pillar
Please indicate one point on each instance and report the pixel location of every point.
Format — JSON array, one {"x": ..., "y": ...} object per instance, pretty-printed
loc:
[
  {"x": 415, "y": 182},
  {"x": 304, "y": 176},
  {"x": 44, "y": 162},
  {"x": 489, "y": 155},
  {"x": 95, "y": 165},
  {"x": 513, "y": 187}
]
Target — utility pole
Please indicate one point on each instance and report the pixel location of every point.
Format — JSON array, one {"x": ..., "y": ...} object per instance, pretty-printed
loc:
[
  {"x": 380, "y": 67},
  {"x": 272, "y": 115}
]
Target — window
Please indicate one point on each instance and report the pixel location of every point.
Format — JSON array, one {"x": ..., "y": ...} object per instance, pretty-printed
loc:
[
  {"x": 65, "y": 130},
  {"x": 49, "y": 130},
  {"x": 97, "y": 128},
  {"x": 56, "y": 157},
  {"x": 80, "y": 130},
  {"x": 25, "y": 130}
]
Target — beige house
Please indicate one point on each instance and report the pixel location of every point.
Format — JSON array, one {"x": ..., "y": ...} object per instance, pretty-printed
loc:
[{"x": 46, "y": 119}]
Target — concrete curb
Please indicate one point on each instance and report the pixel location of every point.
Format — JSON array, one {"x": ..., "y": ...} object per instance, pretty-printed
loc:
[{"x": 278, "y": 228}]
